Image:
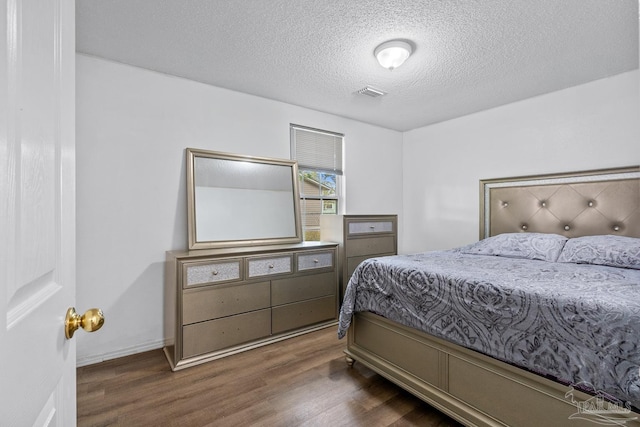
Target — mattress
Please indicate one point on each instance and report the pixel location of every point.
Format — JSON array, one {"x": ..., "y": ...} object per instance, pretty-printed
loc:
[{"x": 578, "y": 324}]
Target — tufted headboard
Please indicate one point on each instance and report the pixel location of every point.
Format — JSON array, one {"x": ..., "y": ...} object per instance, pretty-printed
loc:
[{"x": 572, "y": 204}]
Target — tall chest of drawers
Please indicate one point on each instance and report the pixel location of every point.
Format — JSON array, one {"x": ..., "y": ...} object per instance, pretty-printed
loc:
[
  {"x": 360, "y": 237},
  {"x": 223, "y": 301}
]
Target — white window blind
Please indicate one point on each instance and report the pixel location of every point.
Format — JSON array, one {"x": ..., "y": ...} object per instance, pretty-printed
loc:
[{"x": 317, "y": 150}]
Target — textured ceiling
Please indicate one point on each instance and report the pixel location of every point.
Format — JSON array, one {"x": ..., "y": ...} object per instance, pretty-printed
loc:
[{"x": 470, "y": 55}]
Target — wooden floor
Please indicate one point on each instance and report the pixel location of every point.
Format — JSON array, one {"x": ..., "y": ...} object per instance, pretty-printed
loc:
[{"x": 299, "y": 381}]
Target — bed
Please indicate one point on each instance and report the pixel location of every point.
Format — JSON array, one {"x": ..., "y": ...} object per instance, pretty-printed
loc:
[{"x": 538, "y": 323}]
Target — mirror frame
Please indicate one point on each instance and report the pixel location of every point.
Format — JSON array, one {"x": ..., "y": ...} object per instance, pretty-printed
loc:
[{"x": 192, "y": 154}]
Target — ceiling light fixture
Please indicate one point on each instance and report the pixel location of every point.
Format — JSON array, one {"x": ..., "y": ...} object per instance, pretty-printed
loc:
[{"x": 393, "y": 53}]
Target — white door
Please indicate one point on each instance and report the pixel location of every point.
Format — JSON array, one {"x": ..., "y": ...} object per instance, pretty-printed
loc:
[{"x": 37, "y": 212}]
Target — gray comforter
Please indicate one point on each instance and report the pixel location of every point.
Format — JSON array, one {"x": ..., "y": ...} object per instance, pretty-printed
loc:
[{"x": 577, "y": 323}]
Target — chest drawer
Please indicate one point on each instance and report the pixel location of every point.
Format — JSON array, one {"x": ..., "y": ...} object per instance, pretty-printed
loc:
[
  {"x": 315, "y": 260},
  {"x": 353, "y": 262},
  {"x": 272, "y": 265},
  {"x": 219, "y": 301},
  {"x": 370, "y": 227},
  {"x": 370, "y": 246},
  {"x": 212, "y": 272}
]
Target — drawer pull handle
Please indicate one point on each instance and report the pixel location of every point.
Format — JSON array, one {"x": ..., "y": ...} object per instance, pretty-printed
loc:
[
  {"x": 270, "y": 265},
  {"x": 316, "y": 261},
  {"x": 214, "y": 273},
  {"x": 373, "y": 227}
]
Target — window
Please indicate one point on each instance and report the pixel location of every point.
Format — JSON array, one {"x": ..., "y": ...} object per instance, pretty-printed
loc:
[{"x": 319, "y": 157}]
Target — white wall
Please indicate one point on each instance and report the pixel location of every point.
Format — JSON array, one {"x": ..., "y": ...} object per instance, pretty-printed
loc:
[
  {"x": 133, "y": 125},
  {"x": 132, "y": 128},
  {"x": 592, "y": 126}
]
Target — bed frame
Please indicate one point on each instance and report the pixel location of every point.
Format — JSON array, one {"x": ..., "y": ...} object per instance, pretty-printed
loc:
[{"x": 481, "y": 391}]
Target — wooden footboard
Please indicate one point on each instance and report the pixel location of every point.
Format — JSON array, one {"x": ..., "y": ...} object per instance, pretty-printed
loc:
[{"x": 470, "y": 387}]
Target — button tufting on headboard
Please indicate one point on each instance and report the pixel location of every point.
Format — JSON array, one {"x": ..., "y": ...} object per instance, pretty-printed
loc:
[{"x": 579, "y": 204}]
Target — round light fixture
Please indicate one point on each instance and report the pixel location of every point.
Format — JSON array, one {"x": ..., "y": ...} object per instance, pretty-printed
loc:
[{"x": 393, "y": 53}]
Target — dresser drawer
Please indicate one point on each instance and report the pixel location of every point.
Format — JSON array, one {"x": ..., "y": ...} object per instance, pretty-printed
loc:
[
  {"x": 212, "y": 272},
  {"x": 205, "y": 337},
  {"x": 292, "y": 316},
  {"x": 268, "y": 266},
  {"x": 285, "y": 291},
  {"x": 373, "y": 245},
  {"x": 315, "y": 260},
  {"x": 370, "y": 227},
  {"x": 212, "y": 302}
]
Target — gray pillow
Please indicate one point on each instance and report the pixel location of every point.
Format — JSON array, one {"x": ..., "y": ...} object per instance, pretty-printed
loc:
[
  {"x": 614, "y": 251},
  {"x": 541, "y": 246}
]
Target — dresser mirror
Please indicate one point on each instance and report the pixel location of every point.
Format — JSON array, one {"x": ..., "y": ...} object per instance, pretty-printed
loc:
[{"x": 235, "y": 200}]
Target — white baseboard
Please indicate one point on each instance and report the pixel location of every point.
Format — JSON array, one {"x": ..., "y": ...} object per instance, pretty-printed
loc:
[{"x": 90, "y": 360}]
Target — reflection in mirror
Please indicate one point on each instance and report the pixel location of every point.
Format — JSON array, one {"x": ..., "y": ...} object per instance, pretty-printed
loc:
[{"x": 239, "y": 200}]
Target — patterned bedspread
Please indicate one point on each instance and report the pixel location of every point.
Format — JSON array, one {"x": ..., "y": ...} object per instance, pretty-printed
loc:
[{"x": 577, "y": 323}]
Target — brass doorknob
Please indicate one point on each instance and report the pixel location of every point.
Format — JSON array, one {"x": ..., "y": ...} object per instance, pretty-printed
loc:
[{"x": 90, "y": 321}]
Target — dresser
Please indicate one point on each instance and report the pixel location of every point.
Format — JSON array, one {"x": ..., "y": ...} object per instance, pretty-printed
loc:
[
  {"x": 359, "y": 237},
  {"x": 223, "y": 301}
]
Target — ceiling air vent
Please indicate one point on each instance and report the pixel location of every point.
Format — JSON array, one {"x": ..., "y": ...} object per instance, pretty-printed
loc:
[{"x": 372, "y": 92}]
